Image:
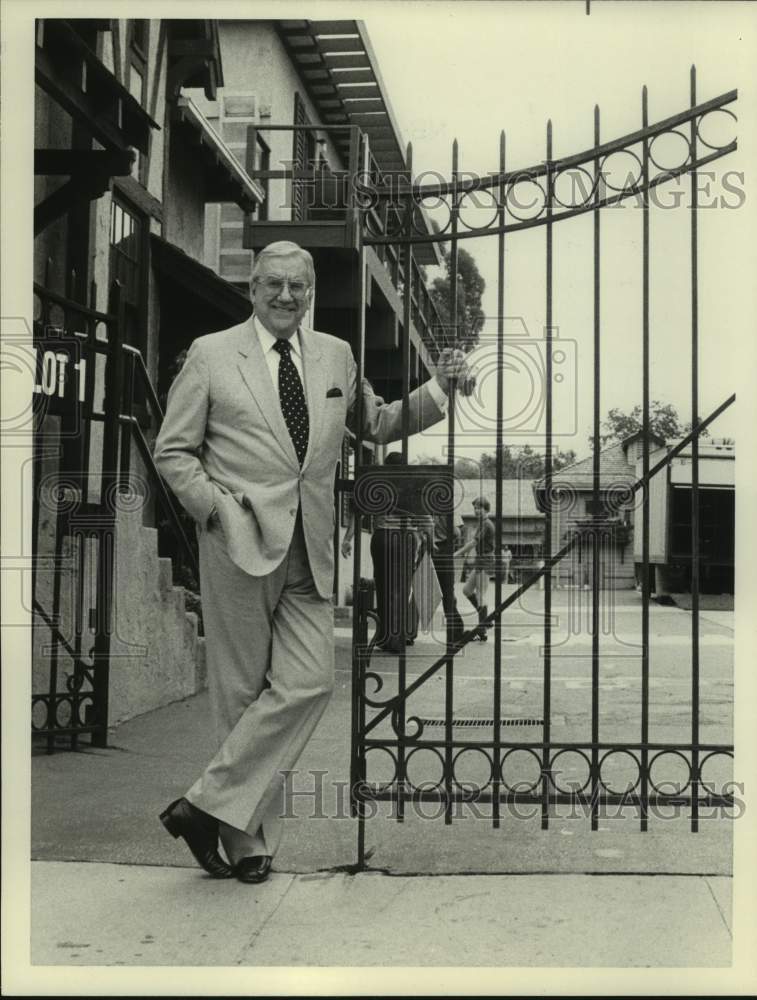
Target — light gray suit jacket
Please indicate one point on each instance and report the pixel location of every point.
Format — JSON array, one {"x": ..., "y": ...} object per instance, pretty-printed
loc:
[{"x": 224, "y": 442}]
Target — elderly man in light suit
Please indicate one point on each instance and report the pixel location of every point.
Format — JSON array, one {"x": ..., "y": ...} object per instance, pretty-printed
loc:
[{"x": 250, "y": 442}]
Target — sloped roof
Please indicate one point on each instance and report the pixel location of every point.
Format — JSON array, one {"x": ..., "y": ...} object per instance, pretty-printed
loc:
[
  {"x": 614, "y": 468},
  {"x": 517, "y": 496},
  {"x": 339, "y": 69}
]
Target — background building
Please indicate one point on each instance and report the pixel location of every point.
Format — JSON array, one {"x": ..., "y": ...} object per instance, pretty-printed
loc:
[
  {"x": 670, "y": 535},
  {"x": 574, "y": 512},
  {"x": 166, "y": 153}
]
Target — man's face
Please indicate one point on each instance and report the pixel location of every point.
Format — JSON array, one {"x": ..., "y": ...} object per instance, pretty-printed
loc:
[{"x": 278, "y": 306}]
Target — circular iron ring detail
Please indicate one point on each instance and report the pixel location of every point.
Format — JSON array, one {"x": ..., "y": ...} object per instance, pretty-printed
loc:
[
  {"x": 603, "y": 783},
  {"x": 559, "y": 788},
  {"x": 493, "y": 207},
  {"x": 431, "y": 787},
  {"x": 487, "y": 758},
  {"x": 662, "y": 753},
  {"x": 627, "y": 186},
  {"x": 673, "y": 166},
  {"x": 703, "y": 761},
  {"x": 509, "y": 199},
  {"x": 586, "y": 195},
  {"x": 439, "y": 205},
  {"x": 531, "y": 753},
  {"x": 704, "y": 117},
  {"x": 378, "y": 787},
  {"x": 40, "y": 710}
]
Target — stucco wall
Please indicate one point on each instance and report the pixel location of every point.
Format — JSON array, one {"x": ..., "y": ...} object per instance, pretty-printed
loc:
[
  {"x": 183, "y": 204},
  {"x": 255, "y": 61},
  {"x": 156, "y": 654}
]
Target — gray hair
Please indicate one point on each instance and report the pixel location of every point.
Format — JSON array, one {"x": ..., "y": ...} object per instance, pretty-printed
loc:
[{"x": 282, "y": 248}]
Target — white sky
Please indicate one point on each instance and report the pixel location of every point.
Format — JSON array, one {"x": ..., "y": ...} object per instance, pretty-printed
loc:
[{"x": 470, "y": 70}]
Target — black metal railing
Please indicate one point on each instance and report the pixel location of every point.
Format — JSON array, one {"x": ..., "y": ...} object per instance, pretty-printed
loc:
[
  {"x": 78, "y": 356},
  {"x": 86, "y": 378}
]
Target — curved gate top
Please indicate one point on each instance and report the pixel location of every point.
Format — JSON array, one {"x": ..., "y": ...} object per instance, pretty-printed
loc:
[{"x": 390, "y": 719}]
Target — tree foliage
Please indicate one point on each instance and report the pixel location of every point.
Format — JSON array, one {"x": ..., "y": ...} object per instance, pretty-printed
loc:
[
  {"x": 470, "y": 289},
  {"x": 663, "y": 421},
  {"x": 517, "y": 463}
]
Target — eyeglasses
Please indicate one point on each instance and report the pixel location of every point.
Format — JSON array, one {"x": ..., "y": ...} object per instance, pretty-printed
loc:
[{"x": 274, "y": 285}]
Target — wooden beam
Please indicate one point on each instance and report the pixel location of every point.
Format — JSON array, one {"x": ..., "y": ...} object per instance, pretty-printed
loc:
[
  {"x": 70, "y": 162},
  {"x": 347, "y": 60},
  {"x": 341, "y": 44},
  {"x": 362, "y": 105},
  {"x": 363, "y": 75},
  {"x": 76, "y": 189},
  {"x": 139, "y": 196},
  {"x": 380, "y": 120},
  {"x": 359, "y": 90},
  {"x": 180, "y": 71},
  {"x": 333, "y": 27},
  {"x": 203, "y": 47},
  {"x": 78, "y": 105}
]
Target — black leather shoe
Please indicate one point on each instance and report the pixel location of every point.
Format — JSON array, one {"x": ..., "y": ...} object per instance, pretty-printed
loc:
[
  {"x": 253, "y": 870},
  {"x": 200, "y": 831}
]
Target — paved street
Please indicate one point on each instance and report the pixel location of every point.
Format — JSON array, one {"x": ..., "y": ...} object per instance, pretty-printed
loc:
[{"x": 620, "y": 687}]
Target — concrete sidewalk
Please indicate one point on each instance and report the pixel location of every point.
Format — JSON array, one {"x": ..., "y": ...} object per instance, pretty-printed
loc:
[
  {"x": 118, "y": 915},
  {"x": 111, "y": 888}
]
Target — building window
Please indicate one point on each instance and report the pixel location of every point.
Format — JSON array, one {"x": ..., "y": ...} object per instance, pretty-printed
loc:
[
  {"x": 139, "y": 36},
  {"x": 136, "y": 80},
  {"x": 128, "y": 264},
  {"x": 304, "y": 156}
]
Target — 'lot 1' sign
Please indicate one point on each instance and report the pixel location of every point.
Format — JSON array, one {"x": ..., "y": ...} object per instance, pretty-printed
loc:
[{"x": 61, "y": 376}]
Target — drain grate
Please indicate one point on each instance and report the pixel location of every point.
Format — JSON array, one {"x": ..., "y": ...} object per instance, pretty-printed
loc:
[{"x": 471, "y": 723}]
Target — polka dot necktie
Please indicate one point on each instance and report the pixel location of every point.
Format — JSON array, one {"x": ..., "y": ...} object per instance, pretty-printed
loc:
[{"x": 292, "y": 398}]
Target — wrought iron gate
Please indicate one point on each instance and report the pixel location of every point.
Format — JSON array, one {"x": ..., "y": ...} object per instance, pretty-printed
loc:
[{"x": 385, "y": 723}]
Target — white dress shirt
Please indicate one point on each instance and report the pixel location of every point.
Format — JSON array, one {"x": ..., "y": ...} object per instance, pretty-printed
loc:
[{"x": 272, "y": 358}]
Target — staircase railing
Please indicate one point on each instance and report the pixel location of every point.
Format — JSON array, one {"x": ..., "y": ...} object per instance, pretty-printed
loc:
[
  {"x": 131, "y": 430},
  {"x": 85, "y": 376}
]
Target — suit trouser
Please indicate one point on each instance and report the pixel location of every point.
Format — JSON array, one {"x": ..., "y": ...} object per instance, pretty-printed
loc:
[{"x": 270, "y": 651}]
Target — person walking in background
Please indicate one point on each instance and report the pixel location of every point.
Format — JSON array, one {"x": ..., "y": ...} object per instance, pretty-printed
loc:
[
  {"x": 507, "y": 558},
  {"x": 476, "y": 586},
  {"x": 443, "y": 558},
  {"x": 249, "y": 445}
]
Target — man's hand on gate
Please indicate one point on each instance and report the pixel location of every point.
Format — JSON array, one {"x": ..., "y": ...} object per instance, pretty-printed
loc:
[{"x": 452, "y": 364}]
